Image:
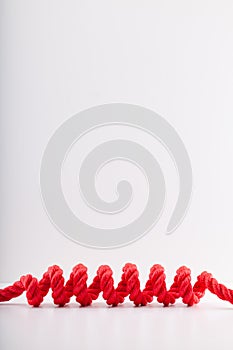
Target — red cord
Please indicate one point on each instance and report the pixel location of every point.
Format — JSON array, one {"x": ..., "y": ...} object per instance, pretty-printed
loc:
[{"x": 128, "y": 286}]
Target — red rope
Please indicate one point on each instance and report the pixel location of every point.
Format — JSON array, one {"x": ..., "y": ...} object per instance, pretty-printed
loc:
[{"x": 128, "y": 286}]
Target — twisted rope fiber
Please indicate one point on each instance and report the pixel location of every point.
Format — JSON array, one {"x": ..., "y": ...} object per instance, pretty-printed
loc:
[{"x": 128, "y": 286}]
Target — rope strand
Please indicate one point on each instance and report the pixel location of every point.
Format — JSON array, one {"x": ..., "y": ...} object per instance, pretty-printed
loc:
[{"x": 128, "y": 286}]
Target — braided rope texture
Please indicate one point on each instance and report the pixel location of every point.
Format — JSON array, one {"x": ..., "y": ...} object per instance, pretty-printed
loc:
[{"x": 128, "y": 286}]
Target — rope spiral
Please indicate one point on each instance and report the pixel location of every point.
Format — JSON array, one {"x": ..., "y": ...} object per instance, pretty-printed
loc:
[{"x": 128, "y": 286}]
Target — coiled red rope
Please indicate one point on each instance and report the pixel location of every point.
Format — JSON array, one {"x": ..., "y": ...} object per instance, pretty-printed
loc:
[{"x": 128, "y": 286}]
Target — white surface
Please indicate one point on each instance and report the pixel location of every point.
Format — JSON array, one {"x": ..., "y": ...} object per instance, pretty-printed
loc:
[
  {"x": 207, "y": 325},
  {"x": 60, "y": 57}
]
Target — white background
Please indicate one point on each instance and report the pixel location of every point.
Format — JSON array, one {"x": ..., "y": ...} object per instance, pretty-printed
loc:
[{"x": 174, "y": 57}]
